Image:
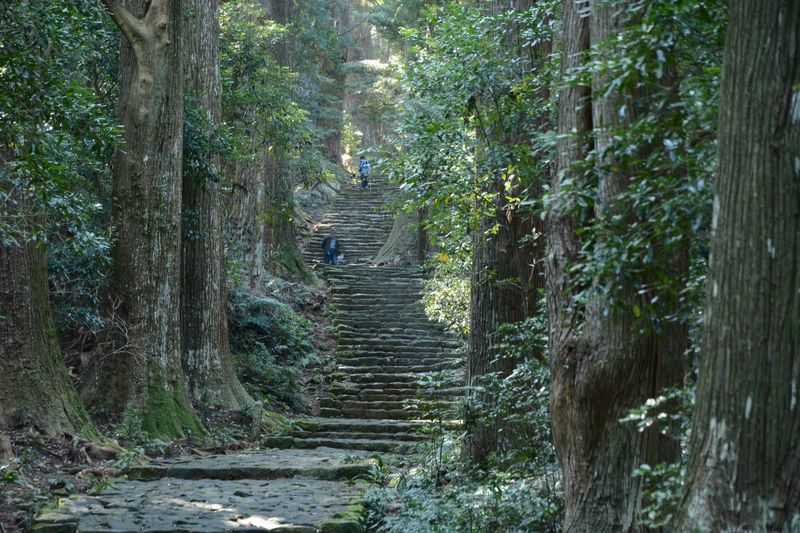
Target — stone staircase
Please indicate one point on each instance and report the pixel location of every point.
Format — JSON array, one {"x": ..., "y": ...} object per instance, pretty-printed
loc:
[
  {"x": 395, "y": 369},
  {"x": 361, "y": 223}
]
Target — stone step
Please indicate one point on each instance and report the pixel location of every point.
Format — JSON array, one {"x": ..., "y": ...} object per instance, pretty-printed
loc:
[
  {"x": 370, "y": 360},
  {"x": 397, "y": 394},
  {"x": 386, "y": 346},
  {"x": 407, "y": 341},
  {"x": 338, "y": 284},
  {"x": 386, "y": 308},
  {"x": 374, "y": 445},
  {"x": 377, "y": 298},
  {"x": 410, "y": 316},
  {"x": 398, "y": 369},
  {"x": 350, "y": 435},
  {"x": 364, "y": 274},
  {"x": 389, "y": 348},
  {"x": 368, "y": 276},
  {"x": 387, "y": 386},
  {"x": 432, "y": 329},
  {"x": 385, "y": 405},
  {"x": 359, "y": 337},
  {"x": 377, "y": 294},
  {"x": 298, "y": 504},
  {"x": 263, "y": 465},
  {"x": 400, "y": 349},
  {"x": 359, "y": 425},
  {"x": 363, "y": 322},
  {"x": 385, "y": 379},
  {"x": 394, "y": 414}
]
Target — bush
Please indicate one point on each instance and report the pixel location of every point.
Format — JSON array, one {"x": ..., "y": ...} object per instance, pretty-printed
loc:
[
  {"x": 270, "y": 343},
  {"x": 460, "y": 501}
]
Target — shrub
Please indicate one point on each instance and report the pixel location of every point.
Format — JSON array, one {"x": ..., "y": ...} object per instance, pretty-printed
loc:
[{"x": 270, "y": 342}]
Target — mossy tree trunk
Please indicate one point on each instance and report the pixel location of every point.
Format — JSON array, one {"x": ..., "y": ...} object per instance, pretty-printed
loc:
[
  {"x": 35, "y": 390},
  {"x": 206, "y": 356},
  {"x": 744, "y": 464},
  {"x": 144, "y": 375},
  {"x": 602, "y": 365}
]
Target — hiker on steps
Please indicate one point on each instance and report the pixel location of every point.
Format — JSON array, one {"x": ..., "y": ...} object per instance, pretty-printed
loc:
[
  {"x": 330, "y": 247},
  {"x": 364, "y": 167}
]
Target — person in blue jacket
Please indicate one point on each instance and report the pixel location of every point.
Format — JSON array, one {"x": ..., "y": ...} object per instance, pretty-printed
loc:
[{"x": 364, "y": 167}]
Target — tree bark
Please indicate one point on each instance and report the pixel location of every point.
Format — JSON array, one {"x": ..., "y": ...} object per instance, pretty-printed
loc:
[
  {"x": 248, "y": 234},
  {"x": 36, "y": 389},
  {"x": 206, "y": 357},
  {"x": 504, "y": 283},
  {"x": 602, "y": 366},
  {"x": 145, "y": 375},
  {"x": 744, "y": 463},
  {"x": 506, "y": 275}
]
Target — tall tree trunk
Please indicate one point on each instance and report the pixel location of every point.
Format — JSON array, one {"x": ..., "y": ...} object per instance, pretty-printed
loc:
[
  {"x": 35, "y": 389},
  {"x": 247, "y": 233},
  {"x": 206, "y": 356},
  {"x": 282, "y": 253},
  {"x": 602, "y": 366},
  {"x": 503, "y": 292},
  {"x": 334, "y": 90},
  {"x": 506, "y": 275},
  {"x": 744, "y": 464},
  {"x": 145, "y": 376}
]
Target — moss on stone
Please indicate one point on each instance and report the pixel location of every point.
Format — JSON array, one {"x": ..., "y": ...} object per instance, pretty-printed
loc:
[
  {"x": 55, "y": 521},
  {"x": 349, "y": 521},
  {"x": 272, "y": 421},
  {"x": 289, "y": 261}
]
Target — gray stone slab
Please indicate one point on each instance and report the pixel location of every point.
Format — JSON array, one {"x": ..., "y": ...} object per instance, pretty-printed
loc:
[
  {"x": 201, "y": 506},
  {"x": 323, "y": 463}
]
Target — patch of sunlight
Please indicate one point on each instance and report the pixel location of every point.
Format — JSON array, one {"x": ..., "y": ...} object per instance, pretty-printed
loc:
[
  {"x": 180, "y": 502},
  {"x": 272, "y": 522},
  {"x": 374, "y": 64}
]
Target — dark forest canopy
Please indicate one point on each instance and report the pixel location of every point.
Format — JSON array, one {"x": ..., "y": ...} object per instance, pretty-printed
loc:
[{"x": 603, "y": 196}]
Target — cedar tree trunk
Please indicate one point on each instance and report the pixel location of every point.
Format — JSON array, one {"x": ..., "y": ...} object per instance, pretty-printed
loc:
[
  {"x": 144, "y": 376},
  {"x": 506, "y": 276},
  {"x": 744, "y": 460},
  {"x": 602, "y": 365},
  {"x": 35, "y": 389},
  {"x": 206, "y": 356}
]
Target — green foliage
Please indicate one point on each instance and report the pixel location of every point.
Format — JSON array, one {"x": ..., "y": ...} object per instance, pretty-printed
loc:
[
  {"x": 663, "y": 483},
  {"x": 56, "y": 138},
  {"x": 459, "y": 502},
  {"x": 474, "y": 102},
  {"x": 519, "y": 492},
  {"x": 259, "y": 93},
  {"x": 663, "y": 73},
  {"x": 55, "y": 135},
  {"x": 203, "y": 142},
  {"x": 447, "y": 293},
  {"x": 9, "y": 474},
  {"x": 270, "y": 342}
]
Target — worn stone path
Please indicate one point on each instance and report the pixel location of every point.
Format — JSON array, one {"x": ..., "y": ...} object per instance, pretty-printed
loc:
[{"x": 307, "y": 480}]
